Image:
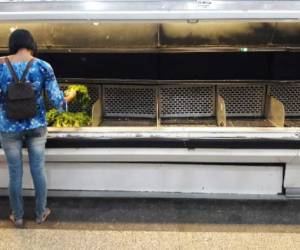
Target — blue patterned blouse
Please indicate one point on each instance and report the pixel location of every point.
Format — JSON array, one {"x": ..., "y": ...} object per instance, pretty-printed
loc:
[{"x": 42, "y": 76}]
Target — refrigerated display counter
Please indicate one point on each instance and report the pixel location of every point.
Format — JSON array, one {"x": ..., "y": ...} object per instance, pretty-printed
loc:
[{"x": 190, "y": 99}]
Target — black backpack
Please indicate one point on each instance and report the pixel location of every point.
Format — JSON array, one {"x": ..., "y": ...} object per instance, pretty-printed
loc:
[{"x": 20, "y": 98}]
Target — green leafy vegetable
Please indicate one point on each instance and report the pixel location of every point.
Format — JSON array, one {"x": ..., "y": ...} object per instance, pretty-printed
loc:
[
  {"x": 82, "y": 95},
  {"x": 51, "y": 116},
  {"x": 67, "y": 119},
  {"x": 72, "y": 119}
]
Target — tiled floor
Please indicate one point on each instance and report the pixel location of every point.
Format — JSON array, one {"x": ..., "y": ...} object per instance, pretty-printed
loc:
[
  {"x": 156, "y": 224},
  {"x": 40, "y": 239}
]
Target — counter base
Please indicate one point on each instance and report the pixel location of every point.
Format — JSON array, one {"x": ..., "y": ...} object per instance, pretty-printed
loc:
[{"x": 167, "y": 172}]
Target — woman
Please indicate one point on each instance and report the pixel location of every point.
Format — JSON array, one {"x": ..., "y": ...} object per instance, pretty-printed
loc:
[{"x": 30, "y": 132}]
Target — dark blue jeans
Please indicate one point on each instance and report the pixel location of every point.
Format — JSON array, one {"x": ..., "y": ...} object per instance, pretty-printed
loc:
[{"x": 12, "y": 143}]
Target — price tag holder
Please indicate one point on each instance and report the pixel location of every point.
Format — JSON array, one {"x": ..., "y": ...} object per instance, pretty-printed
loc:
[
  {"x": 204, "y": 4},
  {"x": 66, "y": 107}
]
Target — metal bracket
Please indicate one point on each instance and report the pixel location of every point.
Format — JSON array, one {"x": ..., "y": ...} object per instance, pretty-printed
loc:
[
  {"x": 275, "y": 112},
  {"x": 97, "y": 113},
  {"x": 158, "y": 118},
  {"x": 221, "y": 112}
]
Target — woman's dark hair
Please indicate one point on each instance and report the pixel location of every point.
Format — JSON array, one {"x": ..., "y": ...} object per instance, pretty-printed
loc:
[{"x": 21, "y": 39}]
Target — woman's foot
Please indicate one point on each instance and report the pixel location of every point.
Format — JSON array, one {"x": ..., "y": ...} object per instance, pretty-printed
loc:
[
  {"x": 19, "y": 223},
  {"x": 44, "y": 216}
]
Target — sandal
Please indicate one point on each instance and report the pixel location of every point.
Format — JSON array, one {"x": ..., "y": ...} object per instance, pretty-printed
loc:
[
  {"x": 44, "y": 216},
  {"x": 17, "y": 222}
]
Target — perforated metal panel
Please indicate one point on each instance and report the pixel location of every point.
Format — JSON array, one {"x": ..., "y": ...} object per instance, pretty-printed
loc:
[
  {"x": 129, "y": 101},
  {"x": 289, "y": 95},
  {"x": 247, "y": 100},
  {"x": 187, "y": 101},
  {"x": 94, "y": 93}
]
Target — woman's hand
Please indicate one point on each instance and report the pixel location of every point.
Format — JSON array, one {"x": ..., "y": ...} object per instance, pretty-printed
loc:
[{"x": 71, "y": 95}]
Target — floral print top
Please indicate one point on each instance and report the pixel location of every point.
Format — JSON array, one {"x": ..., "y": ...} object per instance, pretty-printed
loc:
[{"x": 42, "y": 77}]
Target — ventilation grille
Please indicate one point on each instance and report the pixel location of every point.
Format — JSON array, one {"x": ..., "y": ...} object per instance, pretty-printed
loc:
[
  {"x": 186, "y": 101},
  {"x": 243, "y": 100},
  {"x": 129, "y": 101},
  {"x": 190, "y": 101},
  {"x": 289, "y": 95}
]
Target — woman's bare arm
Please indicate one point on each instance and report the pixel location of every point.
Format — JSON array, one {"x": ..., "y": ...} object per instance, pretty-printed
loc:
[{"x": 70, "y": 96}]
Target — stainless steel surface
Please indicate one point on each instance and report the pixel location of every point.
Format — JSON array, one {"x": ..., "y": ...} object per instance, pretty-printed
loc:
[
  {"x": 128, "y": 122},
  {"x": 250, "y": 123},
  {"x": 160, "y": 195},
  {"x": 85, "y": 36},
  {"x": 237, "y": 133},
  {"x": 293, "y": 193},
  {"x": 117, "y": 81},
  {"x": 149, "y": 10},
  {"x": 240, "y": 34},
  {"x": 190, "y": 121},
  {"x": 95, "y": 36},
  {"x": 292, "y": 122}
]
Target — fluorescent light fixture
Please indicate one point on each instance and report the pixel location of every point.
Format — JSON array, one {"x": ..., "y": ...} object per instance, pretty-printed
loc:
[
  {"x": 191, "y": 5},
  {"x": 92, "y": 5},
  {"x": 12, "y": 29}
]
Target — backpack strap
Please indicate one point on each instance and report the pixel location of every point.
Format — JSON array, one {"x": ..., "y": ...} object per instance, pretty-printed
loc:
[
  {"x": 28, "y": 66},
  {"x": 12, "y": 71}
]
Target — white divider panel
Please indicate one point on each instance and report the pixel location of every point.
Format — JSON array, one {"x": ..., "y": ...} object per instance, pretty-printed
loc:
[
  {"x": 156, "y": 177},
  {"x": 292, "y": 176}
]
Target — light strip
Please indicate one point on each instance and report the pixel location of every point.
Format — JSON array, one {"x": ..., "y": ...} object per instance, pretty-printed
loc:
[{"x": 150, "y": 15}]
